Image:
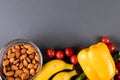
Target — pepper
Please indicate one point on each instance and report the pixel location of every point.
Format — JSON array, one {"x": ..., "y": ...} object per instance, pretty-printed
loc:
[{"x": 97, "y": 62}]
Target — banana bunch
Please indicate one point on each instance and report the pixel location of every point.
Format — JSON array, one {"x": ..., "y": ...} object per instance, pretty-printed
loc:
[{"x": 55, "y": 66}]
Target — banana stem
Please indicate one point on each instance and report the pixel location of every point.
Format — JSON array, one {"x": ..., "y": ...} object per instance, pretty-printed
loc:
[
  {"x": 73, "y": 73},
  {"x": 69, "y": 66}
]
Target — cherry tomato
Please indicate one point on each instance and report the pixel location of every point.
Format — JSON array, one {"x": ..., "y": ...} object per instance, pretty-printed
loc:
[
  {"x": 111, "y": 47},
  {"x": 119, "y": 76},
  {"x": 105, "y": 39},
  {"x": 73, "y": 59},
  {"x": 51, "y": 53},
  {"x": 118, "y": 65},
  {"x": 60, "y": 54},
  {"x": 69, "y": 52}
]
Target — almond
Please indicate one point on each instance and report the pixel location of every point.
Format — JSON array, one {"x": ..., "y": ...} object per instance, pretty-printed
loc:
[
  {"x": 17, "y": 78},
  {"x": 32, "y": 71},
  {"x": 11, "y": 55},
  {"x": 37, "y": 58},
  {"x": 18, "y": 72},
  {"x": 36, "y": 65},
  {"x": 23, "y": 51},
  {"x": 30, "y": 66},
  {"x": 5, "y": 62},
  {"x": 17, "y": 54},
  {"x": 23, "y": 76},
  {"x": 38, "y": 68},
  {"x": 14, "y": 67},
  {"x": 23, "y": 56},
  {"x": 21, "y": 66},
  {"x": 10, "y": 78},
  {"x": 4, "y": 70},
  {"x": 16, "y": 61},
  {"x": 26, "y": 70},
  {"x": 34, "y": 61},
  {"x": 28, "y": 59},
  {"x": 12, "y": 60},
  {"x": 25, "y": 62},
  {"x": 17, "y": 46},
  {"x": 10, "y": 73},
  {"x": 31, "y": 56}
]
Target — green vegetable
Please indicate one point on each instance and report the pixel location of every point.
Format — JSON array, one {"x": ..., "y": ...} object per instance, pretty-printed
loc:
[
  {"x": 116, "y": 56},
  {"x": 81, "y": 77}
]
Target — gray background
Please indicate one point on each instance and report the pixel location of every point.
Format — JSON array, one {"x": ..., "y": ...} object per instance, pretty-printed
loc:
[{"x": 60, "y": 23}]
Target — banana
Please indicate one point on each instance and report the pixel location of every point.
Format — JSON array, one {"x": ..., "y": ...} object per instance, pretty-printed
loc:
[
  {"x": 65, "y": 75},
  {"x": 51, "y": 68}
]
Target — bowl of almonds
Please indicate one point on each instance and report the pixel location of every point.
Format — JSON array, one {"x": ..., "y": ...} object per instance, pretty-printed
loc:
[{"x": 20, "y": 60}]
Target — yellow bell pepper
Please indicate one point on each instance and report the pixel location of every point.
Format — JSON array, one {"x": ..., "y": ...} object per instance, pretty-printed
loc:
[{"x": 97, "y": 62}]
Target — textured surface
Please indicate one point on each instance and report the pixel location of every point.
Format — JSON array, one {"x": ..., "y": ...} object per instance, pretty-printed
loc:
[{"x": 59, "y": 23}]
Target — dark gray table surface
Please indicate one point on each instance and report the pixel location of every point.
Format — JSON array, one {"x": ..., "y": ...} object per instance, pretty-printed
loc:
[{"x": 60, "y": 23}]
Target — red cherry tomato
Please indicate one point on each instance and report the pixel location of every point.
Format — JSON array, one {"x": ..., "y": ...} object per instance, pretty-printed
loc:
[
  {"x": 105, "y": 39},
  {"x": 118, "y": 65},
  {"x": 69, "y": 52},
  {"x": 51, "y": 53},
  {"x": 111, "y": 47},
  {"x": 119, "y": 76},
  {"x": 73, "y": 59},
  {"x": 60, "y": 54}
]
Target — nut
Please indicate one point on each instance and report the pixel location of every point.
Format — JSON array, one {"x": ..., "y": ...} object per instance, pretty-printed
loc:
[
  {"x": 31, "y": 50},
  {"x": 5, "y": 62},
  {"x": 32, "y": 71},
  {"x": 26, "y": 70},
  {"x": 36, "y": 65},
  {"x": 17, "y": 47},
  {"x": 28, "y": 76},
  {"x": 14, "y": 67},
  {"x": 10, "y": 78},
  {"x": 23, "y": 76},
  {"x": 4, "y": 69},
  {"x": 18, "y": 72},
  {"x": 11, "y": 55},
  {"x": 17, "y": 78},
  {"x": 28, "y": 59},
  {"x": 38, "y": 68},
  {"x": 21, "y": 66},
  {"x": 16, "y": 61},
  {"x": 10, "y": 73},
  {"x": 15, "y": 75},
  {"x": 17, "y": 64},
  {"x": 23, "y": 56},
  {"x": 30, "y": 66},
  {"x": 17, "y": 54},
  {"x": 25, "y": 62},
  {"x": 37, "y": 58},
  {"x": 22, "y": 46},
  {"x": 31, "y": 56},
  {"x": 23, "y": 51},
  {"x": 12, "y": 60},
  {"x": 9, "y": 51},
  {"x": 33, "y": 61}
]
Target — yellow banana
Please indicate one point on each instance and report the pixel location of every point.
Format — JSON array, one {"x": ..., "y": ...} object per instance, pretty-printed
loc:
[
  {"x": 51, "y": 68},
  {"x": 65, "y": 75}
]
